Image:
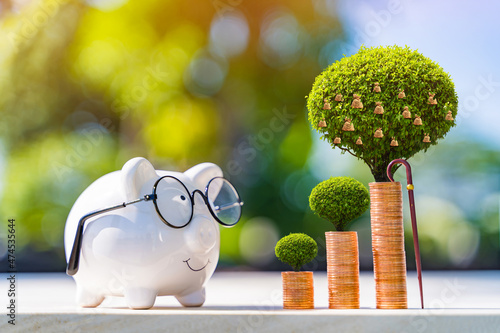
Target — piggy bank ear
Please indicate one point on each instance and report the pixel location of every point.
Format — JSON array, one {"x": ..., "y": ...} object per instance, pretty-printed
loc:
[
  {"x": 135, "y": 173},
  {"x": 202, "y": 173}
]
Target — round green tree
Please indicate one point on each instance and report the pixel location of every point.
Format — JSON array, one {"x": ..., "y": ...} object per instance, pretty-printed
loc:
[
  {"x": 339, "y": 200},
  {"x": 381, "y": 104},
  {"x": 296, "y": 250}
]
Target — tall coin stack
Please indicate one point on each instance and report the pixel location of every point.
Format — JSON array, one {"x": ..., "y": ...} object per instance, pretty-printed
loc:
[
  {"x": 342, "y": 260},
  {"x": 389, "y": 258}
]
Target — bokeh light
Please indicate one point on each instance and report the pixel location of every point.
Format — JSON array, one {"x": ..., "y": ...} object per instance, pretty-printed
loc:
[
  {"x": 106, "y": 5},
  {"x": 229, "y": 34},
  {"x": 280, "y": 39},
  {"x": 448, "y": 237},
  {"x": 205, "y": 75},
  {"x": 257, "y": 241}
]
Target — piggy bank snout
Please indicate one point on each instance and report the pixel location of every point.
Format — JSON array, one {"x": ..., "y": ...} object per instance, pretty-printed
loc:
[{"x": 201, "y": 235}]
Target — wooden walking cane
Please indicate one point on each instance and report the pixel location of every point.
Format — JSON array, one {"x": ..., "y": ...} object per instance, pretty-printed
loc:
[{"x": 413, "y": 214}]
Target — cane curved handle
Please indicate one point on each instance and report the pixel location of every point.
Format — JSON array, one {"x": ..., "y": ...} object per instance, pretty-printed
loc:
[
  {"x": 409, "y": 181},
  {"x": 410, "y": 188}
]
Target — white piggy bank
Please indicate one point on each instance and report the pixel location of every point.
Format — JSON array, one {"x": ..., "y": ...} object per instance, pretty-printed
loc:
[{"x": 142, "y": 233}]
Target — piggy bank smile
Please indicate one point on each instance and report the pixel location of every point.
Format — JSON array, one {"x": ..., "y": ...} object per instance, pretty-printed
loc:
[
  {"x": 162, "y": 239},
  {"x": 196, "y": 270}
]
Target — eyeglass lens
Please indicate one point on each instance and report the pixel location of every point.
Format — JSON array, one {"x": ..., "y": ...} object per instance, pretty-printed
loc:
[
  {"x": 173, "y": 202},
  {"x": 225, "y": 200}
]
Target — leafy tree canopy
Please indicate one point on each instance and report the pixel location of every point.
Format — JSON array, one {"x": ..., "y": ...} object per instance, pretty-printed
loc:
[
  {"x": 296, "y": 250},
  {"x": 375, "y": 127},
  {"x": 339, "y": 200}
]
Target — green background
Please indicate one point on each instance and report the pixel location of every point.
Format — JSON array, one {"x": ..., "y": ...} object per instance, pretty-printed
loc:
[{"x": 84, "y": 88}]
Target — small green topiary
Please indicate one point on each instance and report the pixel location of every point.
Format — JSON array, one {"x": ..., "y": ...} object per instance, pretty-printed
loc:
[
  {"x": 296, "y": 250},
  {"x": 339, "y": 200}
]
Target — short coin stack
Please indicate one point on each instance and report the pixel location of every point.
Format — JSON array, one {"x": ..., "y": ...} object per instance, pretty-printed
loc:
[
  {"x": 298, "y": 290},
  {"x": 389, "y": 259},
  {"x": 342, "y": 269}
]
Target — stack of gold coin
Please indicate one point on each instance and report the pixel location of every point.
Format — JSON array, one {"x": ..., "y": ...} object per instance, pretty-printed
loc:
[
  {"x": 342, "y": 258},
  {"x": 389, "y": 258},
  {"x": 298, "y": 290}
]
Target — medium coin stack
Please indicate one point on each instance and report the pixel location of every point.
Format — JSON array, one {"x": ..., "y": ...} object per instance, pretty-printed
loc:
[
  {"x": 298, "y": 290},
  {"x": 389, "y": 258},
  {"x": 342, "y": 259}
]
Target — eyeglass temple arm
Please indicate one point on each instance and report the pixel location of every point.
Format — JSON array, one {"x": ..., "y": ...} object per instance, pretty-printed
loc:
[
  {"x": 74, "y": 258},
  {"x": 224, "y": 207}
]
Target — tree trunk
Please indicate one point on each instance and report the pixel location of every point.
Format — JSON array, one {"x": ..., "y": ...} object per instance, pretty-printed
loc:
[{"x": 380, "y": 174}]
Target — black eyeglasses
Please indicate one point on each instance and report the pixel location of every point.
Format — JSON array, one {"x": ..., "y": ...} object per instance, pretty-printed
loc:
[{"x": 175, "y": 207}]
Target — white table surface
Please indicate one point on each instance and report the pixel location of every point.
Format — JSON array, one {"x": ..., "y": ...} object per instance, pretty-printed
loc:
[{"x": 456, "y": 301}]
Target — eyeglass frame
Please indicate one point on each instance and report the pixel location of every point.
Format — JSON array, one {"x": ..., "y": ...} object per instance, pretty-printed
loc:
[{"x": 74, "y": 259}]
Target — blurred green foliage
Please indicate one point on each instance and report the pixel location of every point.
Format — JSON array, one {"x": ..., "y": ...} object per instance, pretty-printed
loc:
[
  {"x": 183, "y": 82},
  {"x": 84, "y": 90}
]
